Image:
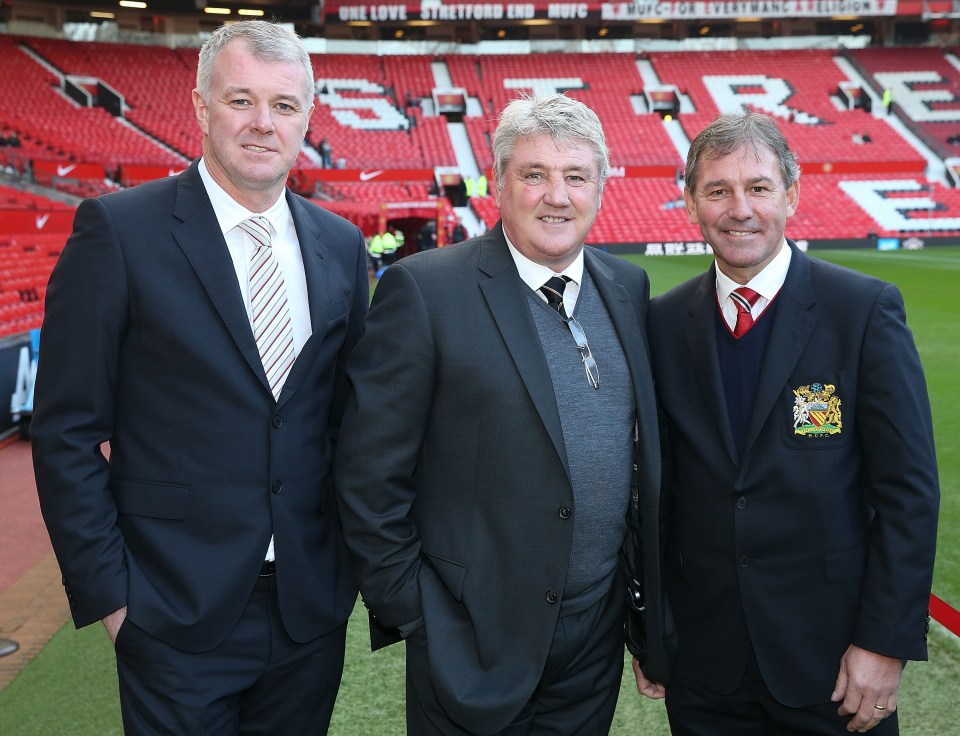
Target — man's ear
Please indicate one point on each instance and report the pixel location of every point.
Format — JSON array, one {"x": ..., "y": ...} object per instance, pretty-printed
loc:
[{"x": 200, "y": 108}]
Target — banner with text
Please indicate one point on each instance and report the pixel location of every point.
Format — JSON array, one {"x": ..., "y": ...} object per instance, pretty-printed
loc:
[{"x": 347, "y": 11}]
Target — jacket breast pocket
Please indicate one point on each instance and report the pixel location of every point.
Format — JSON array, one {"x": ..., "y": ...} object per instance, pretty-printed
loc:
[
  {"x": 150, "y": 498},
  {"x": 817, "y": 411}
]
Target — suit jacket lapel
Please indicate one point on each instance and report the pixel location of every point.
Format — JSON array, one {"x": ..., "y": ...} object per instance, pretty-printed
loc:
[
  {"x": 699, "y": 331},
  {"x": 626, "y": 322},
  {"x": 198, "y": 234},
  {"x": 506, "y": 297},
  {"x": 313, "y": 248},
  {"x": 792, "y": 328}
]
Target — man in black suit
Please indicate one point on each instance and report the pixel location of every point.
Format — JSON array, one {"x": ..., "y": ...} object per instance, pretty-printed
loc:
[
  {"x": 485, "y": 469},
  {"x": 800, "y": 479},
  {"x": 199, "y": 326}
]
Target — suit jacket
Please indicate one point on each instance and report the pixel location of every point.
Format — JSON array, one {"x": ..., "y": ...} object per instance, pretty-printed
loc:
[
  {"x": 146, "y": 346},
  {"x": 805, "y": 544},
  {"x": 452, "y": 471}
]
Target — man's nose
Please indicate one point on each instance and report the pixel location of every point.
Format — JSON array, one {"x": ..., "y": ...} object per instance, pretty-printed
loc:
[
  {"x": 263, "y": 118},
  {"x": 740, "y": 206},
  {"x": 556, "y": 193}
]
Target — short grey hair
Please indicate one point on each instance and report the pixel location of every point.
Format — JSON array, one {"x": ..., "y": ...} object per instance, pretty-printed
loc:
[
  {"x": 268, "y": 42},
  {"x": 564, "y": 119},
  {"x": 732, "y": 132}
]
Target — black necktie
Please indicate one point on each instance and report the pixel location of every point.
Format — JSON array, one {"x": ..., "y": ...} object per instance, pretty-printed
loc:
[{"x": 553, "y": 290}]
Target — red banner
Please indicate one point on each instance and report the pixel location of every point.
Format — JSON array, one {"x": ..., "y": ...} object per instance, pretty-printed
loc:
[
  {"x": 67, "y": 170},
  {"x": 36, "y": 221},
  {"x": 945, "y": 614},
  {"x": 401, "y": 11},
  {"x": 131, "y": 175},
  {"x": 865, "y": 167},
  {"x": 363, "y": 175}
]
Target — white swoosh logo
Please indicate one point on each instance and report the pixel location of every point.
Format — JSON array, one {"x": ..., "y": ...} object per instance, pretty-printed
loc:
[
  {"x": 64, "y": 170},
  {"x": 368, "y": 175},
  {"x": 42, "y": 220}
]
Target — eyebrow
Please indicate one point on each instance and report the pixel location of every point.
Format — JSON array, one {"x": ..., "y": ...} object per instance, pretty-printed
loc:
[
  {"x": 574, "y": 169},
  {"x": 724, "y": 183},
  {"x": 283, "y": 97}
]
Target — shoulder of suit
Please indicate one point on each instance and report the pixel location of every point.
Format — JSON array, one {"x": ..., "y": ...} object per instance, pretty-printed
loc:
[
  {"x": 308, "y": 204},
  {"x": 623, "y": 268},
  {"x": 831, "y": 278},
  {"x": 320, "y": 214},
  {"x": 682, "y": 292},
  {"x": 148, "y": 193}
]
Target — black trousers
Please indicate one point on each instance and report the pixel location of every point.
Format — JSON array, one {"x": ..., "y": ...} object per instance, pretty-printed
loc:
[
  {"x": 751, "y": 710},
  {"x": 258, "y": 681},
  {"x": 577, "y": 693}
]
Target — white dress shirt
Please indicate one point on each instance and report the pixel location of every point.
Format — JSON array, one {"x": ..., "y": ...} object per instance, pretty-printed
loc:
[
  {"x": 286, "y": 249},
  {"x": 767, "y": 284},
  {"x": 536, "y": 275}
]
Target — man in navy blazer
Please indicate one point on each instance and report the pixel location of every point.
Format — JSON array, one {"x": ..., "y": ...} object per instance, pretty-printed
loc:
[
  {"x": 800, "y": 479},
  {"x": 206, "y": 539}
]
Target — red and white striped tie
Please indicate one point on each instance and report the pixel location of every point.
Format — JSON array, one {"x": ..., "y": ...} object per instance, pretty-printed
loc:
[
  {"x": 268, "y": 301},
  {"x": 744, "y": 299}
]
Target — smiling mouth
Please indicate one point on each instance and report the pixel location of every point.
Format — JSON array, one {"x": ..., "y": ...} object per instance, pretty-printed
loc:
[
  {"x": 553, "y": 220},
  {"x": 257, "y": 149}
]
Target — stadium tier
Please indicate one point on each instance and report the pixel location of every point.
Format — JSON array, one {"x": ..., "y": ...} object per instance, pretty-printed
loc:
[
  {"x": 925, "y": 83},
  {"x": 98, "y": 116}
]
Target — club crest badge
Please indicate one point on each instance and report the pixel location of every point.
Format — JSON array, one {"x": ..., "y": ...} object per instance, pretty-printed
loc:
[{"x": 816, "y": 411}]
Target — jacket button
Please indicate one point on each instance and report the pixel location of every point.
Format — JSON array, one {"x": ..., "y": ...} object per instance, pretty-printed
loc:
[
  {"x": 277, "y": 422},
  {"x": 564, "y": 512},
  {"x": 742, "y": 502},
  {"x": 744, "y": 561},
  {"x": 551, "y": 597},
  {"x": 277, "y": 486}
]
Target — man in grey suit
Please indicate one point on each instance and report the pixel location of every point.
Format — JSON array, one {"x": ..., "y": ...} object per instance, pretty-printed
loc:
[
  {"x": 485, "y": 468},
  {"x": 212, "y": 362}
]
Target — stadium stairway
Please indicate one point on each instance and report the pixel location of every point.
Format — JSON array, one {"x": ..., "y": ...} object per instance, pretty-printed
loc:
[
  {"x": 935, "y": 166},
  {"x": 466, "y": 161}
]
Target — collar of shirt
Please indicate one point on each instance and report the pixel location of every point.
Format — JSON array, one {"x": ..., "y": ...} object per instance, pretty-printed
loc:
[
  {"x": 536, "y": 275},
  {"x": 767, "y": 284},
  {"x": 286, "y": 249},
  {"x": 231, "y": 213}
]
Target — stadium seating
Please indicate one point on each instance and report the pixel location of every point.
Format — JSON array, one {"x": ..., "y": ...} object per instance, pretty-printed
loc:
[
  {"x": 373, "y": 111},
  {"x": 25, "y": 265},
  {"x": 924, "y": 82},
  {"x": 58, "y": 124},
  {"x": 799, "y": 87}
]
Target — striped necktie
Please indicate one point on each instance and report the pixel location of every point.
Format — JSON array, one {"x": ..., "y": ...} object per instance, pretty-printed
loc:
[
  {"x": 268, "y": 301},
  {"x": 553, "y": 290},
  {"x": 744, "y": 299}
]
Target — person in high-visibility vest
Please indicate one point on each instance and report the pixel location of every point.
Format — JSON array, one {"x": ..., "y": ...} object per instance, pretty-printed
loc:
[
  {"x": 482, "y": 186},
  {"x": 389, "y": 242},
  {"x": 375, "y": 251},
  {"x": 471, "y": 186}
]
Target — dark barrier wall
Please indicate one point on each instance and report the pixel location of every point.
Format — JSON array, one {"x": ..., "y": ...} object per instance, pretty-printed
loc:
[{"x": 9, "y": 360}]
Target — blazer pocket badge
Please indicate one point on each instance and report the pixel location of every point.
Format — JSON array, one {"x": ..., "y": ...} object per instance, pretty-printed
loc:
[{"x": 816, "y": 411}]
